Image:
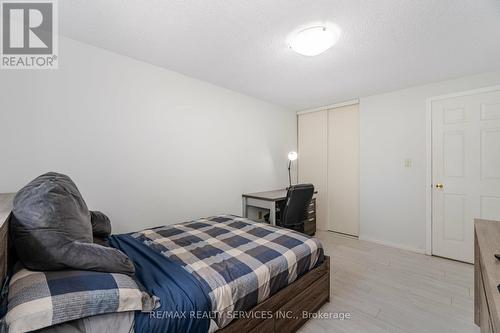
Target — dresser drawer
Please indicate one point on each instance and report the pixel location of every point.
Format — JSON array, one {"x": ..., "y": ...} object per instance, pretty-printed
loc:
[
  {"x": 310, "y": 229},
  {"x": 486, "y": 275},
  {"x": 312, "y": 205},
  {"x": 310, "y": 221}
]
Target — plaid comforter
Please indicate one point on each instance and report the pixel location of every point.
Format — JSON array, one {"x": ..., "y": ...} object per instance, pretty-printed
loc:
[{"x": 238, "y": 262}]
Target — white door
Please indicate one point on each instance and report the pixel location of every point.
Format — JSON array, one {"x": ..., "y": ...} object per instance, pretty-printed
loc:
[
  {"x": 343, "y": 169},
  {"x": 312, "y": 150},
  {"x": 465, "y": 170}
]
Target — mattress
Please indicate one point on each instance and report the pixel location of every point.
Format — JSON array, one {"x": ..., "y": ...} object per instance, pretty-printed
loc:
[
  {"x": 237, "y": 262},
  {"x": 222, "y": 265},
  {"x": 122, "y": 322}
]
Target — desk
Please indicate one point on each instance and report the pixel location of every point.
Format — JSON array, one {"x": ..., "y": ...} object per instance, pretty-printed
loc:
[{"x": 268, "y": 200}]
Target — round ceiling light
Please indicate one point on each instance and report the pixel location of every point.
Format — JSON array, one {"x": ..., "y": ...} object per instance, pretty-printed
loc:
[{"x": 314, "y": 40}]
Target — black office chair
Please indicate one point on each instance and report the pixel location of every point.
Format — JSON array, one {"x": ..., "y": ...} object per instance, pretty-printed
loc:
[{"x": 294, "y": 212}]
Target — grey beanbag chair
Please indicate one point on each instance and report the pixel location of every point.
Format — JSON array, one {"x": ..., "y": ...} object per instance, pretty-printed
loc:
[{"x": 51, "y": 229}]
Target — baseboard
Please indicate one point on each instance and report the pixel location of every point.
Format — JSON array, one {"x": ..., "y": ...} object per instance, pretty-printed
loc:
[{"x": 390, "y": 244}]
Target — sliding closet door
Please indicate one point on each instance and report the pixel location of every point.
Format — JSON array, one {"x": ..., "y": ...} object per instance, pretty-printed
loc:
[
  {"x": 312, "y": 149},
  {"x": 343, "y": 169}
]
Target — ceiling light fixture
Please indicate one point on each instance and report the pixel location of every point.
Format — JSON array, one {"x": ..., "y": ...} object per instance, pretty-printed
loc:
[{"x": 314, "y": 40}]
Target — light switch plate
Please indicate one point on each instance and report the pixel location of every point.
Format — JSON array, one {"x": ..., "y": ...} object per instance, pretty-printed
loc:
[{"x": 408, "y": 162}]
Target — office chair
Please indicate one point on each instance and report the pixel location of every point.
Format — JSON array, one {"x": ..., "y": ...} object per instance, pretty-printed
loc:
[{"x": 294, "y": 212}]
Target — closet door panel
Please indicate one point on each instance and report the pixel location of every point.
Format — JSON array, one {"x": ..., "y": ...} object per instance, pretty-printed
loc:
[
  {"x": 312, "y": 150},
  {"x": 343, "y": 169}
]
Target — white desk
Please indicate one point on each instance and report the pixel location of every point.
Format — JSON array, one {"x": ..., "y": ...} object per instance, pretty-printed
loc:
[{"x": 265, "y": 200}]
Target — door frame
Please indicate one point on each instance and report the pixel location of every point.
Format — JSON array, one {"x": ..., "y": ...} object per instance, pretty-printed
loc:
[
  {"x": 429, "y": 180},
  {"x": 331, "y": 106}
]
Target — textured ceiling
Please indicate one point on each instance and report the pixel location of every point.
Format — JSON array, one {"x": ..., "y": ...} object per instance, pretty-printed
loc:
[{"x": 241, "y": 44}]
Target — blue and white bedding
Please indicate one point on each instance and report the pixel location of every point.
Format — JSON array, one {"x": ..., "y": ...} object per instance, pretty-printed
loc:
[
  {"x": 179, "y": 292},
  {"x": 214, "y": 267}
]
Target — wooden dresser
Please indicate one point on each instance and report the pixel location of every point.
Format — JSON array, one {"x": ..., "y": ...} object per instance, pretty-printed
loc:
[
  {"x": 486, "y": 275},
  {"x": 5, "y": 210}
]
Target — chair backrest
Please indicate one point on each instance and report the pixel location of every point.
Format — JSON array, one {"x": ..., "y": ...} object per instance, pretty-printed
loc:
[{"x": 298, "y": 198}]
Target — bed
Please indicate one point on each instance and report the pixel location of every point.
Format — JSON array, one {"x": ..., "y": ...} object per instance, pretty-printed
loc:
[{"x": 254, "y": 277}]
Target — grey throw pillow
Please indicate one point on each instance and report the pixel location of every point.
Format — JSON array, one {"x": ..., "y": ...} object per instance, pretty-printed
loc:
[{"x": 101, "y": 225}]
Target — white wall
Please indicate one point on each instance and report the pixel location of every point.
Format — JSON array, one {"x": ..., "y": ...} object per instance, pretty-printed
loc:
[
  {"x": 145, "y": 145},
  {"x": 393, "y": 127}
]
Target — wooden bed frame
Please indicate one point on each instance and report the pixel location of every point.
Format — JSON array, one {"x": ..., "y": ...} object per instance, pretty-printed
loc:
[
  {"x": 286, "y": 307},
  {"x": 282, "y": 312}
]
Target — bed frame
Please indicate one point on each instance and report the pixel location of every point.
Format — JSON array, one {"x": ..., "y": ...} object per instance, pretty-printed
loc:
[
  {"x": 282, "y": 312},
  {"x": 308, "y": 294}
]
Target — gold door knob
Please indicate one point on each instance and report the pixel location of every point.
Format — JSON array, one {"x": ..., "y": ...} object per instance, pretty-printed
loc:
[{"x": 439, "y": 186}]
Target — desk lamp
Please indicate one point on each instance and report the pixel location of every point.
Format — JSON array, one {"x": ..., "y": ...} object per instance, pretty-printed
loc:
[{"x": 292, "y": 156}]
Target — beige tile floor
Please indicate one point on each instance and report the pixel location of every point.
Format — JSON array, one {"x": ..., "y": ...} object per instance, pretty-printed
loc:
[{"x": 391, "y": 290}]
